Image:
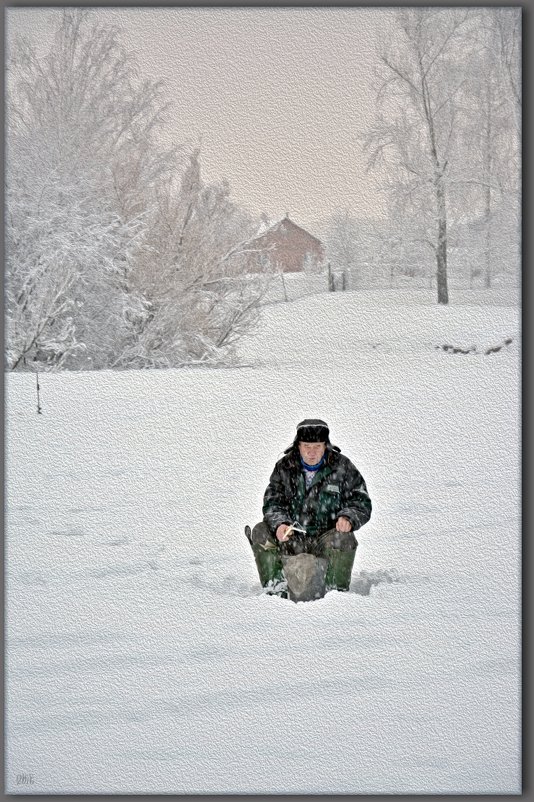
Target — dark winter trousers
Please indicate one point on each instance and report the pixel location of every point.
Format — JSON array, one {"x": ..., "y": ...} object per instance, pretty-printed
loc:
[{"x": 338, "y": 547}]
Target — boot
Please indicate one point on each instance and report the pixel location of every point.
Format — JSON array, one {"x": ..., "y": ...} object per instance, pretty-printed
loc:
[
  {"x": 268, "y": 560},
  {"x": 339, "y": 568},
  {"x": 268, "y": 563},
  {"x": 340, "y": 550}
]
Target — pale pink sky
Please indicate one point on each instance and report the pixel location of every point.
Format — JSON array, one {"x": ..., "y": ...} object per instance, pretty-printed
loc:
[{"x": 278, "y": 96}]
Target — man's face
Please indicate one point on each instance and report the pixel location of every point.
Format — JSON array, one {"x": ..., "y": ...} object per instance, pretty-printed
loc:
[{"x": 312, "y": 453}]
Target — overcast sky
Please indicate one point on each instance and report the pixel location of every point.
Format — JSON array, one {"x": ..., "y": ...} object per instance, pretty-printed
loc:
[{"x": 277, "y": 95}]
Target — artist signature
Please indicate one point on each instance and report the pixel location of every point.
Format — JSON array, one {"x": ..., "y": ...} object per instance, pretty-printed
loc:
[{"x": 24, "y": 779}]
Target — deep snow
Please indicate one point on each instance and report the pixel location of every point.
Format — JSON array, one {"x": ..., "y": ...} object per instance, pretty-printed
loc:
[{"x": 141, "y": 656}]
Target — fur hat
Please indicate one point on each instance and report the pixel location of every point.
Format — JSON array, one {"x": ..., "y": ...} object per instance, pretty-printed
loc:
[{"x": 312, "y": 430}]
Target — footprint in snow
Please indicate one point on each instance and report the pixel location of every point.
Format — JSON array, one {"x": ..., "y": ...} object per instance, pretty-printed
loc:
[
  {"x": 117, "y": 570},
  {"x": 67, "y": 532}
]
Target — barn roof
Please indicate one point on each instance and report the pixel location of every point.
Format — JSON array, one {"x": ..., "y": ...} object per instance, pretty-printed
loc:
[{"x": 278, "y": 226}]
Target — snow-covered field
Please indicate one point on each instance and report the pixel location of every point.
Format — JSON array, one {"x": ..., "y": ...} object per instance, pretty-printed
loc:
[{"x": 141, "y": 656}]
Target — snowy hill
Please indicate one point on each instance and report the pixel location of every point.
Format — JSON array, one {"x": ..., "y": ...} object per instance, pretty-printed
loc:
[{"x": 141, "y": 655}]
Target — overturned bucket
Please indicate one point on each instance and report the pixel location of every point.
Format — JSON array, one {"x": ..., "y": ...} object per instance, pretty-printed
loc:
[{"x": 305, "y": 575}]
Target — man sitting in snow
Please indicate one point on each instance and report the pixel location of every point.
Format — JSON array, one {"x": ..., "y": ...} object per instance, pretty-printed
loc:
[{"x": 315, "y": 500}]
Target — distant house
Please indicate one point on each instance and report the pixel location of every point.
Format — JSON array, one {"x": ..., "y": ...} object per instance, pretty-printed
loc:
[{"x": 284, "y": 247}]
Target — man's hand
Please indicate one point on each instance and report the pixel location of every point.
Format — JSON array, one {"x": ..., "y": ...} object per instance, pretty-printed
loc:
[
  {"x": 281, "y": 532},
  {"x": 342, "y": 524}
]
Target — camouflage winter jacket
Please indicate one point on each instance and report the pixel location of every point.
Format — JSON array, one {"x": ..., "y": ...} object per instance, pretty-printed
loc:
[{"x": 337, "y": 489}]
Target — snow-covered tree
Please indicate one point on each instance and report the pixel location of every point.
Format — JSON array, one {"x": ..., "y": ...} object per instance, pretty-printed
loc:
[
  {"x": 486, "y": 182},
  {"x": 190, "y": 271},
  {"x": 422, "y": 73},
  {"x": 81, "y": 163},
  {"x": 447, "y": 136},
  {"x": 118, "y": 254},
  {"x": 343, "y": 245}
]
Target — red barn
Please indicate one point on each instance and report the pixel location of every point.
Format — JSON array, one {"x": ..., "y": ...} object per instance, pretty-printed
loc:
[{"x": 286, "y": 247}]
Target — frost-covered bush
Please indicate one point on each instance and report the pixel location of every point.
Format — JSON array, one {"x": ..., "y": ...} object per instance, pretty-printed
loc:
[{"x": 190, "y": 270}]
